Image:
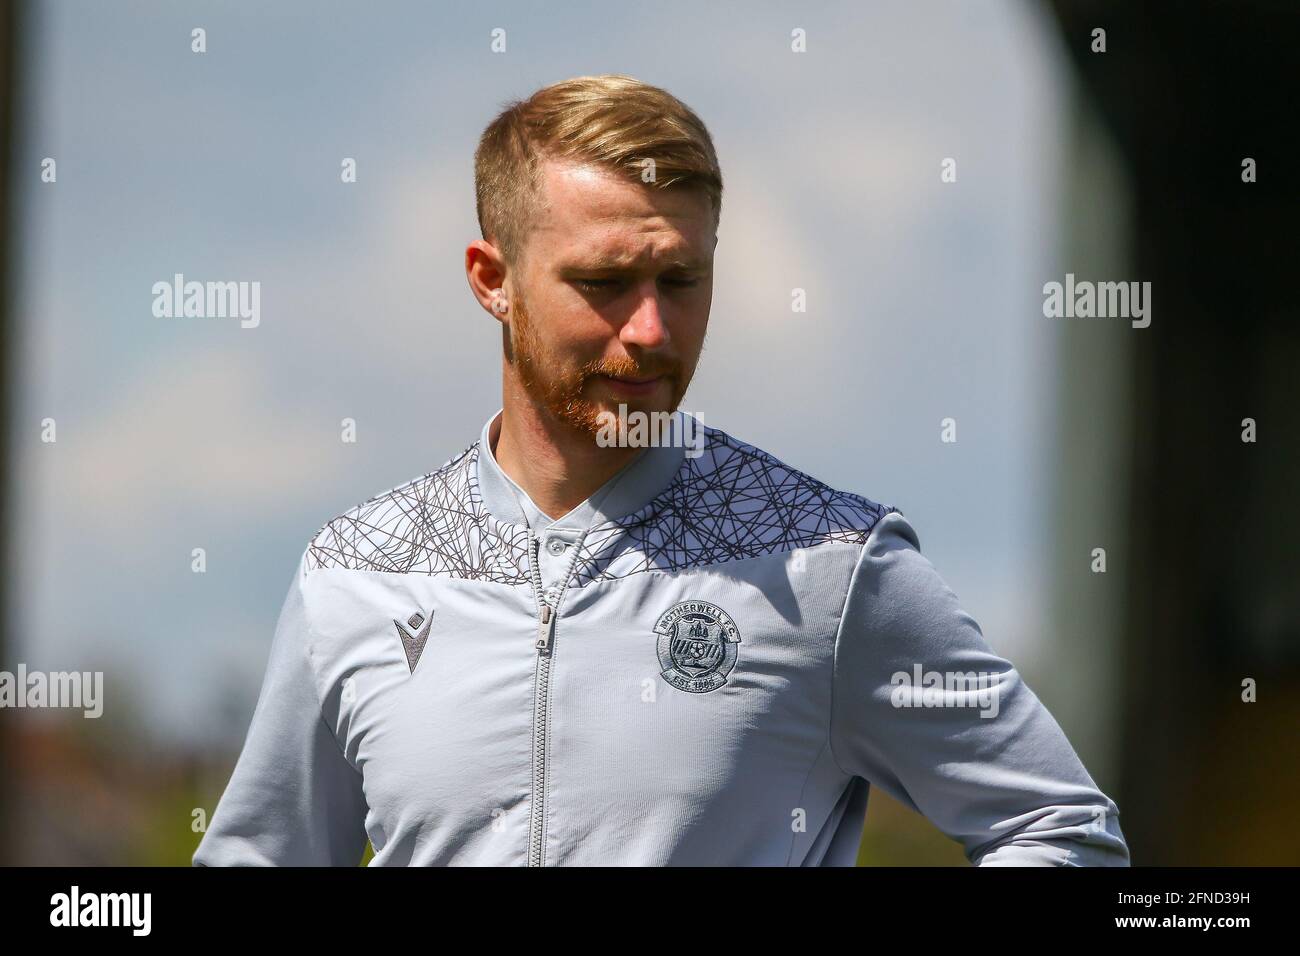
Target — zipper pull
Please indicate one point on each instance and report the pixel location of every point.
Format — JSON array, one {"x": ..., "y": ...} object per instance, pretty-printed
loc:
[{"x": 545, "y": 627}]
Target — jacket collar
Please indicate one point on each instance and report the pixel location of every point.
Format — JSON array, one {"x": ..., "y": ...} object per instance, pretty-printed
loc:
[{"x": 630, "y": 488}]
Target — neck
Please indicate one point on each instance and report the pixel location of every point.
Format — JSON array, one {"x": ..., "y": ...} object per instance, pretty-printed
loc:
[{"x": 558, "y": 465}]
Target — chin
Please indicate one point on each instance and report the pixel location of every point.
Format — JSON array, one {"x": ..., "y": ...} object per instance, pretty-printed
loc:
[{"x": 648, "y": 405}]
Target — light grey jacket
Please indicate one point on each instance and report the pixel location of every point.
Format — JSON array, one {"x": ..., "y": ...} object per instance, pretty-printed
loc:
[{"x": 707, "y": 662}]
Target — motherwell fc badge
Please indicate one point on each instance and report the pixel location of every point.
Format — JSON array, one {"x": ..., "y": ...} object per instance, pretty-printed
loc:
[{"x": 698, "y": 644}]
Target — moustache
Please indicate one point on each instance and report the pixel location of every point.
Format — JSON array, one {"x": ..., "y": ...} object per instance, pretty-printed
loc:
[{"x": 638, "y": 372}]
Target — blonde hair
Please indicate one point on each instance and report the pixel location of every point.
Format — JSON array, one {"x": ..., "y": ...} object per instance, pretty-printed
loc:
[{"x": 613, "y": 121}]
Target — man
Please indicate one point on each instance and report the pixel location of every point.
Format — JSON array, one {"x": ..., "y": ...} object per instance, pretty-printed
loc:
[{"x": 561, "y": 649}]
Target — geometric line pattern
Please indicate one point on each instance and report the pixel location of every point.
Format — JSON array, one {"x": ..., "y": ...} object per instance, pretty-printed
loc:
[
  {"x": 435, "y": 524},
  {"x": 733, "y": 501}
]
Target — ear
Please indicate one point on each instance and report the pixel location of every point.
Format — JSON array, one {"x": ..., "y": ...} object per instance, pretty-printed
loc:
[{"x": 486, "y": 271}]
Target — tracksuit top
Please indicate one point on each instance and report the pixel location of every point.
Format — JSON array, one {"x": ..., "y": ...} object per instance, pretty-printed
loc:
[{"x": 708, "y": 662}]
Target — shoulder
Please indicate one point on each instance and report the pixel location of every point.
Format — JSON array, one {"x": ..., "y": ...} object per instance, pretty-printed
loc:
[
  {"x": 395, "y": 529},
  {"x": 755, "y": 499}
]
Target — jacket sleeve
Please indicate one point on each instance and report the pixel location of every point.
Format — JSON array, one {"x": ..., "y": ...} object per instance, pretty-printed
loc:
[
  {"x": 972, "y": 749},
  {"x": 293, "y": 799}
]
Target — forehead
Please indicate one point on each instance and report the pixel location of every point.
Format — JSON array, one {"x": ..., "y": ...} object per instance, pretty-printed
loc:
[{"x": 591, "y": 212}]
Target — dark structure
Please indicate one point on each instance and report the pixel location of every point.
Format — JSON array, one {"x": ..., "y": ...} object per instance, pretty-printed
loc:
[
  {"x": 1189, "y": 91},
  {"x": 9, "y": 73}
]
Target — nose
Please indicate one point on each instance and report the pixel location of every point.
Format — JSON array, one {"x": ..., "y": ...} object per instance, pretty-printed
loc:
[{"x": 645, "y": 326}]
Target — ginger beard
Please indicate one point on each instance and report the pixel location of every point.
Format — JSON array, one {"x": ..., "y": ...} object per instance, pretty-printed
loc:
[{"x": 562, "y": 389}]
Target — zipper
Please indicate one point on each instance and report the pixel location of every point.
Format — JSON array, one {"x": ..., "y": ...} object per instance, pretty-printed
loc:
[
  {"x": 544, "y": 645},
  {"x": 541, "y": 691},
  {"x": 545, "y": 628}
]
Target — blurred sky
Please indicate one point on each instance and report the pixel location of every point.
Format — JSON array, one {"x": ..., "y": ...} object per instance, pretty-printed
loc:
[{"x": 924, "y": 298}]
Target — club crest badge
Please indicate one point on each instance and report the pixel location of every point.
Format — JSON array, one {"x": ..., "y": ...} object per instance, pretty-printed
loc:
[{"x": 698, "y": 645}]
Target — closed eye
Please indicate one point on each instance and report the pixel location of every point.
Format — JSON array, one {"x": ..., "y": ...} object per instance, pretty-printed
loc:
[
  {"x": 594, "y": 285},
  {"x": 600, "y": 285}
]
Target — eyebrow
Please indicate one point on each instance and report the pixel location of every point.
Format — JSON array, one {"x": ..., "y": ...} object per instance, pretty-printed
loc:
[{"x": 608, "y": 263}]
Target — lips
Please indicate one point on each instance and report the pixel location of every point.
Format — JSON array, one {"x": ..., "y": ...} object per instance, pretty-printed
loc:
[{"x": 633, "y": 386}]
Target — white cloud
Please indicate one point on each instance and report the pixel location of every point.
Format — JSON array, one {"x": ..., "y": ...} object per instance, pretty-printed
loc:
[{"x": 198, "y": 429}]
